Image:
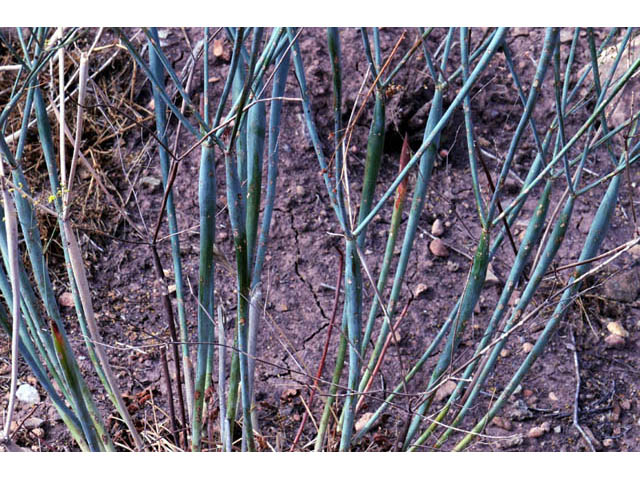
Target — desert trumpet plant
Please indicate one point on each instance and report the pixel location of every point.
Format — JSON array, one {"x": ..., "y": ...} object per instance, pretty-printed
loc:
[
  {"x": 564, "y": 110},
  {"x": 491, "y": 215}
]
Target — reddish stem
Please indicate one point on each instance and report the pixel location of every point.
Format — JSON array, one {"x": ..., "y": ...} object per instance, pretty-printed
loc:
[{"x": 336, "y": 298}]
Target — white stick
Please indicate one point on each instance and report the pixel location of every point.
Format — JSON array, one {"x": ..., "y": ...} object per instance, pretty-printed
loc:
[
  {"x": 82, "y": 90},
  {"x": 61, "y": 95},
  {"x": 12, "y": 243},
  {"x": 79, "y": 273}
]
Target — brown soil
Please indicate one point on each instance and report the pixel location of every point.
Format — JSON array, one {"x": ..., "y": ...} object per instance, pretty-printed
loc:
[{"x": 302, "y": 262}]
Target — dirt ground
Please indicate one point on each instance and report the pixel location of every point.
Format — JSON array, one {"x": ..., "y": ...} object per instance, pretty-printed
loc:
[{"x": 301, "y": 265}]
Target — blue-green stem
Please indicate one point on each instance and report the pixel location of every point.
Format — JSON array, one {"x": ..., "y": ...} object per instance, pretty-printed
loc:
[
  {"x": 244, "y": 94},
  {"x": 261, "y": 247},
  {"x": 468, "y": 121},
  {"x": 551, "y": 37},
  {"x": 161, "y": 126},
  {"x": 311, "y": 128},
  {"x": 471, "y": 295},
  {"x": 419, "y": 197},
  {"x": 206, "y": 284},
  {"x": 237, "y": 215},
  {"x": 256, "y": 130},
  {"x": 396, "y": 218},
  {"x": 353, "y": 309},
  {"x": 333, "y": 44},
  {"x": 581, "y": 131},
  {"x": 434, "y": 134},
  {"x": 595, "y": 237},
  {"x": 273, "y": 161},
  {"x": 531, "y": 238}
]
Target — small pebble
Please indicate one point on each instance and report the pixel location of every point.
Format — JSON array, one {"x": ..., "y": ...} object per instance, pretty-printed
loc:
[
  {"x": 53, "y": 415},
  {"x": 288, "y": 394},
  {"x": 396, "y": 339},
  {"x": 532, "y": 401},
  {"x": 438, "y": 248},
  {"x": 617, "y": 329},
  {"x": 483, "y": 142},
  {"x": 519, "y": 32},
  {"x": 437, "y": 228},
  {"x": 535, "y": 432},
  {"x": 527, "y": 347},
  {"x": 614, "y": 341},
  {"x": 566, "y": 35},
  {"x": 491, "y": 278},
  {"x": 452, "y": 266},
  {"x": 33, "y": 422},
  {"x": 151, "y": 182},
  {"x": 218, "y": 48},
  {"x": 553, "y": 397},
  {"x": 300, "y": 190},
  {"x": 420, "y": 290},
  {"x": 539, "y": 431},
  {"x": 624, "y": 287},
  {"x": 502, "y": 423},
  {"x": 66, "y": 299},
  {"x": 513, "y": 442},
  {"x": 635, "y": 252},
  {"x": 608, "y": 442},
  {"x": 282, "y": 307},
  {"x": 363, "y": 420},
  {"x": 445, "y": 390},
  {"x": 27, "y": 394}
]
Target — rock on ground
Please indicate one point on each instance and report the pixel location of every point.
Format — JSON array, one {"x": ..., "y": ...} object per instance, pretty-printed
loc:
[{"x": 27, "y": 394}]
